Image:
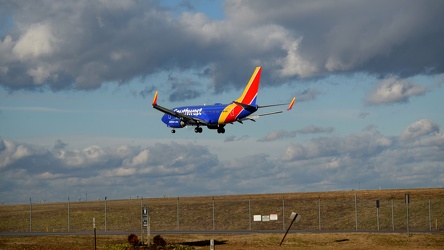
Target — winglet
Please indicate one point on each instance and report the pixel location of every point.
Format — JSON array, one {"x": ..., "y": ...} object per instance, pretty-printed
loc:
[
  {"x": 291, "y": 104},
  {"x": 155, "y": 99}
]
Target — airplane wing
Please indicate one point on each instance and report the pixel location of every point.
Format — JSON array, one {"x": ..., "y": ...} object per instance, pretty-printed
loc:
[
  {"x": 186, "y": 118},
  {"x": 253, "y": 117}
]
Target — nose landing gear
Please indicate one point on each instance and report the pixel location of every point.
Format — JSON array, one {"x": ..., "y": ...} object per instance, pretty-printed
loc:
[{"x": 198, "y": 129}]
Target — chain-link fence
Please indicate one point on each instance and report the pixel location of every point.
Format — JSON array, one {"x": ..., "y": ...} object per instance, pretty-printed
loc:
[{"x": 225, "y": 214}]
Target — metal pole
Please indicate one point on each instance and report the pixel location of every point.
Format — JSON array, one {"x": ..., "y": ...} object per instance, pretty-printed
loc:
[
  {"x": 377, "y": 217},
  {"x": 430, "y": 217},
  {"x": 105, "y": 213},
  {"x": 30, "y": 215},
  {"x": 148, "y": 230},
  {"x": 407, "y": 201},
  {"x": 319, "y": 212},
  {"x": 95, "y": 235},
  {"x": 68, "y": 213},
  {"x": 249, "y": 213},
  {"x": 393, "y": 217},
  {"x": 283, "y": 213},
  {"x": 213, "y": 215},
  {"x": 285, "y": 235},
  {"x": 377, "y": 213},
  {"x": 141, "y": 219},
  {"x": 408, "y": 229},
  {"x": 177, "y": 206},
  {"x": 356, "y": 212}
]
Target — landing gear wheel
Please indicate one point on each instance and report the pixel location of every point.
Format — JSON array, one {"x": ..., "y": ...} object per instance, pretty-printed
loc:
[
  {"x": 198, "y": 130},
  {"x": 173, "y": 131},
  {"x": 220, "y": 130}
]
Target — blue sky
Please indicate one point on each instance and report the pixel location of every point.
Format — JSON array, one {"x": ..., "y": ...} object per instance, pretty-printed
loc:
[{"x": 77, "y": 79}]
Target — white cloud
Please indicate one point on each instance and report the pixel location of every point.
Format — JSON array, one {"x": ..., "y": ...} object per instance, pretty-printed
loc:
[
  {"x": 394, "y": 90},
  {"x": 311, "y": 129},
  {"x": 294, "y": 64},
  {"x": 308, "y": 94},
  {"x": 38, "y": 40},
  {"x": 419, "y": 128},
  {"x": 275, "y": 135}
]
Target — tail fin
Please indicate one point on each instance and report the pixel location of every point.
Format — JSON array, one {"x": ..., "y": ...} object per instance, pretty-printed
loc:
[{"x": 249, "y": 95}]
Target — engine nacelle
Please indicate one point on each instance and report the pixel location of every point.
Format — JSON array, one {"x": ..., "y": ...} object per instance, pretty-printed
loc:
[
  {"x": 173, "y": 122},
  {"x": 176, "y": 123}
]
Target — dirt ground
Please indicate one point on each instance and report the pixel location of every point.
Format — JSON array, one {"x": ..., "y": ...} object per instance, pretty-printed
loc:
[{"x": 240, "y": 242}]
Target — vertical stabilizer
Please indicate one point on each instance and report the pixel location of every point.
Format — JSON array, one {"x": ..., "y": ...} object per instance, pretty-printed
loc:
[{"x": 249, "y": 95}]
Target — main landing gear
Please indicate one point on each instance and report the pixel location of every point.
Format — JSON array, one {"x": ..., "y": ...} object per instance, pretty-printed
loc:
[{"x": 220, "y": 130}]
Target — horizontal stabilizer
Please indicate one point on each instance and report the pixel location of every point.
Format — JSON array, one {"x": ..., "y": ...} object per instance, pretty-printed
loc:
[
  {"x": 253, "y": 117},
  {"x": 272, "y": 105}
]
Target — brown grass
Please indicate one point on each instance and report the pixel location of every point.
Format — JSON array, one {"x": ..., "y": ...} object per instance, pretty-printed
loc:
[
  {"x": 232, "y": 213},
  {"x": 241, "y": 242}
]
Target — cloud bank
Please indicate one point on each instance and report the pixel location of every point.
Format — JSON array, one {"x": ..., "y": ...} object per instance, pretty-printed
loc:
[
  {"x": 84, "y": 44},
  {"x": 368, "y": 159}
]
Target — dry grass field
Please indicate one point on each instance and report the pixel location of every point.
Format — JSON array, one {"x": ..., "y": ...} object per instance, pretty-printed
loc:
[
  {"x": 240, "y": 242},
  {"x": 320, "y": 211}
]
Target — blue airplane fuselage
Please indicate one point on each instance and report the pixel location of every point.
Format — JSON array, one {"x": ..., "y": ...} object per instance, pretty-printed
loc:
[{"x": 209, "y": 113}]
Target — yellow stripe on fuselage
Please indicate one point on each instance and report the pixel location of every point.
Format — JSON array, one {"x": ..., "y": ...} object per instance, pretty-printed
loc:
[{"x": 225, "y": 113}]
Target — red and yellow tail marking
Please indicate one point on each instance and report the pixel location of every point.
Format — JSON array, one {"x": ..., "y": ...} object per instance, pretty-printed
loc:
[
  {"x": 231, "y": 111},
  {"x": 291, "y": 104},
  {"x": 250, "y": 92},
  {"x": 155, "y": 99}
]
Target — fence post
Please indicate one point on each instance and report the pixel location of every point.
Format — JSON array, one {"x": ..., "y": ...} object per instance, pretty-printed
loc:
[
  {"x": 283, "y": 213},
  {"x": 249, "y": 213},
  {"x": 177, "y": 206},
  {"x": 430, "y": 217},
  {"x": 393, "y": 217},
  {"x": 377, "y": 213},
  {"x": 105, "y": 213},
  {"x": 68, "y": 213},
  {"x": 141, "y": 219},
  {"x": 319, "y": 212},
  {"x": 213, "y": 216},
  {"x": 356, "y": 212},
  {"x": 30, "y": 215},
  {"x": 407, "y": 201}
]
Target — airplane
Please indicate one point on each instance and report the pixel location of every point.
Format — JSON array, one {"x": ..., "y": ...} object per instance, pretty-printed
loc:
[{"x": 218, "y": 115}]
